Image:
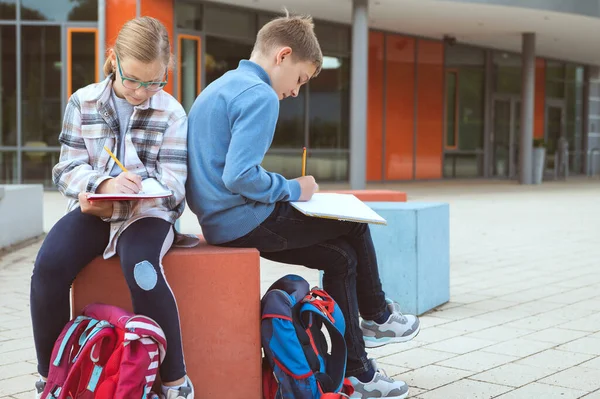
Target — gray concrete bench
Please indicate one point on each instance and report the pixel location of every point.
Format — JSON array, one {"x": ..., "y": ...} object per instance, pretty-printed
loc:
[{"x": 21, "y": 213}]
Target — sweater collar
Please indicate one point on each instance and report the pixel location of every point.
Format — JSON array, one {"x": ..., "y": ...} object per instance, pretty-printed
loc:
[{"x": 253, "y": 67}]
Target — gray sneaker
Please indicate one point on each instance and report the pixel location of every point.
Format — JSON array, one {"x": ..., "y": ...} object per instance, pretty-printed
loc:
[
  {"x": 39, "y": 388},
  {"x": 381, "y": 386},
  {"x": 397, "y": 328},
  {"x": 186, "y": 392}
]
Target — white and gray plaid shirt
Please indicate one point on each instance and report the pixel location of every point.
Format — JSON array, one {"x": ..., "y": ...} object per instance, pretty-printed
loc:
[{"x": 155, "y": 147}]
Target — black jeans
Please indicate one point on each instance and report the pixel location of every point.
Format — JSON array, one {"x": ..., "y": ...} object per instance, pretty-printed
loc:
[
  {"x": 74, "y": 241},
  {"x": 345, "y": 253}
]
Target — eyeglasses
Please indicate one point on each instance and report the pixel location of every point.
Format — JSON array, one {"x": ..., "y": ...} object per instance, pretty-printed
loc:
[{"x": 134, "y": 84}]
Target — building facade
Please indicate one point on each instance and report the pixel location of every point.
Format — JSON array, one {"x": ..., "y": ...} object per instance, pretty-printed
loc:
[{"x": 441, "y": 100}]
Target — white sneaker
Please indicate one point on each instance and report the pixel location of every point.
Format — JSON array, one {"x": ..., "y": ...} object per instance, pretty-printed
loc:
[
  {"x": 39, "y": 388},
  {"x": 397, "y": 328},
  {"x": 381, "y": 386},
  {"x": 185, "y": 392}
]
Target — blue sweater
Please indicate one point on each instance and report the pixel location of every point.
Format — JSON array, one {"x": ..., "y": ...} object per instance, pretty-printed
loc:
[{"x": 230, "y": 128}]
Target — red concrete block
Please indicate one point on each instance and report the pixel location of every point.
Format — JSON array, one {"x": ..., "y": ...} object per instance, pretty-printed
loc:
[
  {"x": 373, "y": 195},
  {"x": 218, "y": 296}
]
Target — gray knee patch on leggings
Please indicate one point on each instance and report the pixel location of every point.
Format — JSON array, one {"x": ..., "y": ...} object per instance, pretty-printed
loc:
[{"x": 145, "y": 275}]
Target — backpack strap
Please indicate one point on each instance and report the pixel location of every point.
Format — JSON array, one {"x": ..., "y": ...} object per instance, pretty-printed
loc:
[
  {"x": 67, "y": 338},
  {"x": 330, "y": 395},
  {"x": 96, "y": 328},
  {"x": 305, "y": 341},
  {"x": 332, "y": 380}
]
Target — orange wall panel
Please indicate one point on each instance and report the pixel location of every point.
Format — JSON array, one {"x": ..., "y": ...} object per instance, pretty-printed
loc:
[
  {"x": 163, "y": 10},
  {"x": 117, "y": 13},
  {"x": 375, "y": 107},
  {"x": 399, "y": 107},
  {"x": 430, "y": 109},
  {"x": 540, "y": 98}
]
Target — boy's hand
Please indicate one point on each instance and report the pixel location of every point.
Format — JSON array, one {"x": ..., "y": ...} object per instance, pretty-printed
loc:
[
  {"x": 97, "y": 208},
  {"x": 308, "y": 187},
  {"x": 125, "y": 183}
]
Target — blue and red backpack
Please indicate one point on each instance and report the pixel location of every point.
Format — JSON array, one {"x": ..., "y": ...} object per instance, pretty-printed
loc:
[{"x": 298, "y": 362}]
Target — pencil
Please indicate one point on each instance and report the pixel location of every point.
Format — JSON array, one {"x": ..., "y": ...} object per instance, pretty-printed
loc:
[
  {"x": 303, "y": 161},
  {"x": 116, "y": 160}
]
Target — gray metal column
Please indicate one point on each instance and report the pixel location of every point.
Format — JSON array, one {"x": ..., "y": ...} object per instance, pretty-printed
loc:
[
  {"x": 586, "y": 117},
  {"x": 358, "y": 94},
  {"x": 527, "y": 105},
  {"x": 488, "y": 121},
  {"x": 101, "y": 36}
]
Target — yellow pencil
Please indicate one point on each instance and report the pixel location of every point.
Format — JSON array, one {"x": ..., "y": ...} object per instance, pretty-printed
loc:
[
  {"x": 116, "y": 160},
  {"x": 304, "y": 161}
]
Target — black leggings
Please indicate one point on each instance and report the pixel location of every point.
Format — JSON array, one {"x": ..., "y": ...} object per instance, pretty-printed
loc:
[{"x": 73, "y": 242}]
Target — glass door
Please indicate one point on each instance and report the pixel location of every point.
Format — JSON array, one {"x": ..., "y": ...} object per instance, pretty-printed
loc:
[
  {"x": 501, "y": 137},
  {"x": 505, "y": 136},
  {"x": 555, "y": 114},
  {"x": 189, "y": 69}
]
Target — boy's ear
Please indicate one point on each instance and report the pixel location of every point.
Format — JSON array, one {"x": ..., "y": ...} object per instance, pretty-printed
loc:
[{"x": 282, "y": 54}]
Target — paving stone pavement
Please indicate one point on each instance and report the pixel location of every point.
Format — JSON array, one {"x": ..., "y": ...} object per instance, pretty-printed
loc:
[{"x": 524, "y": 315}]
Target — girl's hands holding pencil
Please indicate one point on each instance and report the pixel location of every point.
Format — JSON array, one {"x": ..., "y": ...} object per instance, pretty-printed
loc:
[{"x": 125, "y": 183}]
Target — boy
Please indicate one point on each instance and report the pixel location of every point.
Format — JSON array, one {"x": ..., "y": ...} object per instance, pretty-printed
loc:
[{"x": 239, "y": 204}]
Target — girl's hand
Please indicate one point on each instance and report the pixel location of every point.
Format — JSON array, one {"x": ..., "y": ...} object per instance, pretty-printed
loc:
[
  {"x": 125, "y": 183},
  {"x": 102, "y": 209}
]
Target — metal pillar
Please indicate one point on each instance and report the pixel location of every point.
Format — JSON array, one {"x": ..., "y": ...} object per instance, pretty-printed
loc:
[
  {"x": 358, "y": 94},
  {"x": 101, "y": 36},
  {"x": 527, "y": 106}
]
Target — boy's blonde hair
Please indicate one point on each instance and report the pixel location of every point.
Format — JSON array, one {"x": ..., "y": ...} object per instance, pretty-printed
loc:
[
  {"x": 144, "y": 39},
  {"x": 296, "y": 32}
]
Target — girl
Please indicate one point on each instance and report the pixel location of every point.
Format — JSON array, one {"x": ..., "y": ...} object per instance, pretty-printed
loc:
[{"x": 146, "y": 129}]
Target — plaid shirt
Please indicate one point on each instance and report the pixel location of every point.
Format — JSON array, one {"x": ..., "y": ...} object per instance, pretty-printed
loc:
[{"x": 155, "y": 147}]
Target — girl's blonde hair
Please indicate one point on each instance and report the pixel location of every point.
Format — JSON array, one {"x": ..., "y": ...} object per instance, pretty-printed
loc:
[{"x": 144, "y": 39}]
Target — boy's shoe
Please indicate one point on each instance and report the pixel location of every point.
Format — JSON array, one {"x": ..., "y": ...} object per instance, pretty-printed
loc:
[
  {"x": 39, "y": 388},
  {"x": 397, "y": 328},
  {"x": 381, "y": 386},
  {"x": 185, "y": 392}
]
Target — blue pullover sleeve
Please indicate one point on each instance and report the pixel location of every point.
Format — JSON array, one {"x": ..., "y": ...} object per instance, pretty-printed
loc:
[{"x": 253, "y": 116}]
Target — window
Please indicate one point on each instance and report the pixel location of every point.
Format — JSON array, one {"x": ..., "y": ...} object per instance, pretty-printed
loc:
[
  {"x": 41, "y": 85},
  {"x": 451, "y": 109},
  {"x": 469, "y": 64},
  {"x": 574, "y": 116},
  {"x": 330, "y": 105},
  {"x": 223, "y": 55},
  {"x": 555, "y": 79},
  {"x": 82, "y": 68},
  {"x": 59, "y": 10},
  {"x": 37, "y": 166},
  {"x": 507, "y": 73},
  {"x": 189, "y": 70},
  {"x": 8, "y": 9},
  {"x": 230, "y": 22},
  {"x": 290, "y": 126},
  {"x": 8, "y": 167},
  {"x": 8, "y": 87},
  {"x": 188, "y": 16},
  {"x": 333, "y": 38}
]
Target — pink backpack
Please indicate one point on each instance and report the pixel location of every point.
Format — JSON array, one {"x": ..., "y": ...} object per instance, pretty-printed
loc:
[{"x": 106, "y": 353}]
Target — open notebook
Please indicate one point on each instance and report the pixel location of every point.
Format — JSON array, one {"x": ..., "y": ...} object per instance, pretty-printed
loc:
[
  {"x": 151, "y": 188},
  {"x": 338, "y": 206}
]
